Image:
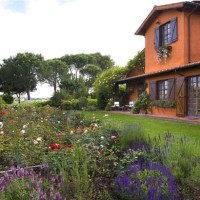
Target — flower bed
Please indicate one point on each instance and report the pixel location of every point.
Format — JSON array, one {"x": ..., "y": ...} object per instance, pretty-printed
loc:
[{"x": 77, "y": 158}]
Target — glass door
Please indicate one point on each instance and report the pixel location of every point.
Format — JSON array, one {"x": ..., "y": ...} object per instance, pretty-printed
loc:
[{"x": 194, "y": 96}]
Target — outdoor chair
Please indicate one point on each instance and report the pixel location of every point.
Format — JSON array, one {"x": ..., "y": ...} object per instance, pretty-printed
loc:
[
  {"x": 115, "y": 106},
  {"x": 130, "y": 105}
]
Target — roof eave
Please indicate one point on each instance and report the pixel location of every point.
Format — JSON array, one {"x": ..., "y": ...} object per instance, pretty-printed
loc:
[
  {"x": 187, "y": 66},
  {"x": 154, "y": 13}
]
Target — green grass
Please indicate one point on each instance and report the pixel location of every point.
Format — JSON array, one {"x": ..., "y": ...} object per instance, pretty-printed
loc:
[{"x": 151, "y": 126}]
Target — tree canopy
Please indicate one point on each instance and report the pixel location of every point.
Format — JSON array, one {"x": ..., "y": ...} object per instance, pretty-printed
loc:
[
  {"x": 104, "y": 84},
  {"x": 137, "y": 62},
  {"x": 53, "y": 72},
  {"x": 18, "y": 74}
]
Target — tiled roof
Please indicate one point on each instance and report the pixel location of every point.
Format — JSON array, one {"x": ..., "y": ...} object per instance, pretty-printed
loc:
[
  {"x": 174, "y": 69},
  {"x": 159, "y": 9}
]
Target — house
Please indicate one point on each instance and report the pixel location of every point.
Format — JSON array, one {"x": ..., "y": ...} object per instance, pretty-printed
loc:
[{"x": 172, "y": 60}]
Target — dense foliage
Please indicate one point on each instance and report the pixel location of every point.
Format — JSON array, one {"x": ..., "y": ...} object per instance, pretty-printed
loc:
[
  {"x": 104, "y": 86},
  {"x": 138, "y": 62},
  {"x": 18, "y": 74}
]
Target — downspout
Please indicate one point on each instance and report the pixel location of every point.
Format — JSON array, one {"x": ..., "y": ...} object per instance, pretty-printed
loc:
[{"x": 189, "y": 33}]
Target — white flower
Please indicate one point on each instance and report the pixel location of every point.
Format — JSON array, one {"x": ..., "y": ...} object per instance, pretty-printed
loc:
[
  {"x": 106, "y": 115},
  {"x": 1, "y": 124},
  {"x": 22, "y": 131},
  {"x": 35, "y": 142},
  {"x": 71, "y": 132},
  {"x": 24, "y": 126},
  {"x": 102, "y": 138},
  {"x": 39, "y": 139},
  {"x": 96, "y": 125},
  {"x": 1, "y": 133},
  {"x": 85, "y": 131},
  {"x": 101, "y": 146},
  {"x": 58, "y": 122}
]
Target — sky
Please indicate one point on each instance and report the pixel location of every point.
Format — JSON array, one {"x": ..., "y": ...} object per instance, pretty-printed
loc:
[{"x": 54, "y": 28}]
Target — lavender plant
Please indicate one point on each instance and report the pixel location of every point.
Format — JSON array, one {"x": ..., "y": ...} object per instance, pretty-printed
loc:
[
  {"x": 150, "y": 181},
  {"x": 28, "y": 184}
]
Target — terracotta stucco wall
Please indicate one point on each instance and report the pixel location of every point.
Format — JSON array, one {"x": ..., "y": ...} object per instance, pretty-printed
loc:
[
  {"x": 132, "y": 95},
  {"x": 186, "y": 73},
  {"x": 179, "y": 50},
  {"x": 195, "y": 37}
]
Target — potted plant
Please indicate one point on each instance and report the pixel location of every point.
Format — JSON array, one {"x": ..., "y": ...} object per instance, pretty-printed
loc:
[
  {"x": 142, "y": 104},
  {"x": 163, "y": 52}
]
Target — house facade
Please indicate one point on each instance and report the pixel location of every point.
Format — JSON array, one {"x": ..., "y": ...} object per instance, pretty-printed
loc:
[{"x": 172, "y": 60}]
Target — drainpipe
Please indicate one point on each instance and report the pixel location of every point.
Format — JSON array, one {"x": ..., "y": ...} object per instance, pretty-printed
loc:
[{"x": 189, "y": 33}]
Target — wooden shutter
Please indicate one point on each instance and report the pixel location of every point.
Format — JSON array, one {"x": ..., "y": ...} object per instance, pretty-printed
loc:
[
  {"x": 180, "y": 97},
  {"x": 174, "y": 35},
  {"x": 156, "y": 37},
  {"x": 171, "y": 89},
  {"x": 152, "y": 90}
]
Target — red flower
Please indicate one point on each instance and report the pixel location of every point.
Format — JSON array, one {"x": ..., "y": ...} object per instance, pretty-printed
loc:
[
  {"x": 2, "y": 113},
  {"x": 69, "y": 146},
  {"x": 55, "y": 146}
]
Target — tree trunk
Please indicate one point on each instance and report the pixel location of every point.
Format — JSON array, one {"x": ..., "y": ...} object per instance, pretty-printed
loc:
[
  {"x": 28, "y": 95},
  {"x": 54, "y": 86},
  {"x": 18, "y": 97}
]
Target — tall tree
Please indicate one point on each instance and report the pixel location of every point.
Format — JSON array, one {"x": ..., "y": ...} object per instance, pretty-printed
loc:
[
  {"x": 78, "y": 61},
  {"x": 19, "y": 73},
  {"x": 103, "y": 61},
  {"x": 74, "y": 87},
  {"x": 53, "y": 72},
  {"x": 90, "y": 72}
]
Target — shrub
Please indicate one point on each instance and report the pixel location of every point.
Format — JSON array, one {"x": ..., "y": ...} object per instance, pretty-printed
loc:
[
  {"x": 57, "y": 98},
  {"x": 72, "y": 104},
  {"x": 164, "y": 103},
  {"x": 8, "y": 98},
  {"x": 142, "y": 103},
  {"x": 92, "y": 102},
  {"x": 82, "y": 102},
  {"x": 136, "y": 107}
]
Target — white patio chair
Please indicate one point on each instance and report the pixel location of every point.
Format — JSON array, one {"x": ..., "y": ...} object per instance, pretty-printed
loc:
[{"x": 115, "y": 106}]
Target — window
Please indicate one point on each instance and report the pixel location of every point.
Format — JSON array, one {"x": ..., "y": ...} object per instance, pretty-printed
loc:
[
  {"x": 166, "y": 33},
  {"x": 163, "y": 90}
]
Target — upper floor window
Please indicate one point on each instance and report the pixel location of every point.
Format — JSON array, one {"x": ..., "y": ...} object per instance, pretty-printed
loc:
[{"x": 166, "y": 33}]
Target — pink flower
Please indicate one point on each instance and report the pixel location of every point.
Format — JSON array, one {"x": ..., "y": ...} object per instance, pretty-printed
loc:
[
  {"x": 113, "y": 137},
  {"x": 59, "y": 134}
]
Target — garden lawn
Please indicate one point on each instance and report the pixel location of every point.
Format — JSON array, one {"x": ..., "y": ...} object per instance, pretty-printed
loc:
[{"x": 151, "y": 126}]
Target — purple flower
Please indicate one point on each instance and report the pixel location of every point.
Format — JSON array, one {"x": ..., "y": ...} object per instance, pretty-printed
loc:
[{"x": 150, "y": 181}]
